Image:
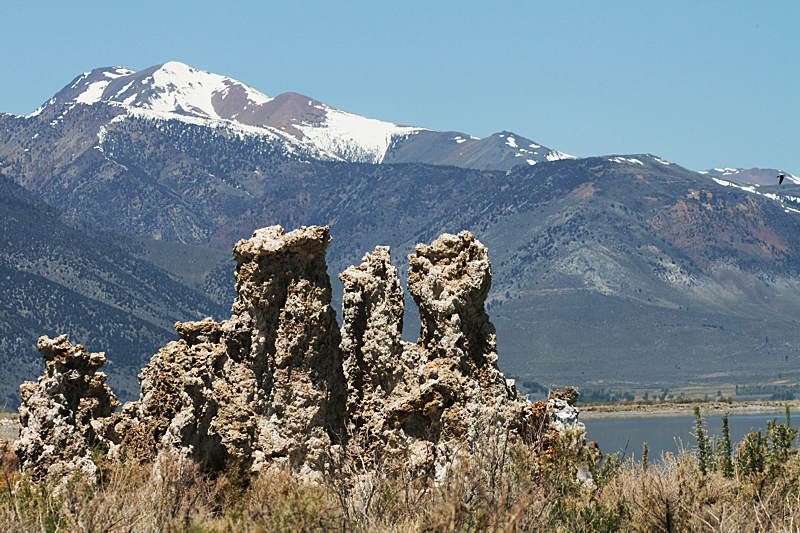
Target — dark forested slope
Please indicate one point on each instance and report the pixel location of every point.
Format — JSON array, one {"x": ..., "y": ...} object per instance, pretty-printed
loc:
[{"x": 58, "y": 275}]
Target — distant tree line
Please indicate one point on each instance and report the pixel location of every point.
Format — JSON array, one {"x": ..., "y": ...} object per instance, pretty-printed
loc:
[
  {"x": 604, "y": 396},
  {"x": 775, "y": 392}
]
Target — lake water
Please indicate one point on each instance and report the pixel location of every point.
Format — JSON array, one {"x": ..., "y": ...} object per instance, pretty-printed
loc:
[{"x": 670, "y": 433}]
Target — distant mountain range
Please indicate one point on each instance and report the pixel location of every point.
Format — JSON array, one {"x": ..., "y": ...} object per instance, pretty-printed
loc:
[
  {"x": 621, "y": 269},
  {"x": 301, "y": 122},
  {"x": 751, "y": 176}
]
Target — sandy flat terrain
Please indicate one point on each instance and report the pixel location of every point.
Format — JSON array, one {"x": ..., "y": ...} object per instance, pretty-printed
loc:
[{"x": 669, "y": 409}]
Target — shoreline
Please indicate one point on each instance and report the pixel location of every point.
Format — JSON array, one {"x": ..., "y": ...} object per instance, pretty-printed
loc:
[
  {"x": 595, "y": 412},
  {"x": 9, "y": 425}
]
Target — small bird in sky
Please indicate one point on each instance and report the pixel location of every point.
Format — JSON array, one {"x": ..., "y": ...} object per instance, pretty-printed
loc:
[{"x": 780, "y": 177}]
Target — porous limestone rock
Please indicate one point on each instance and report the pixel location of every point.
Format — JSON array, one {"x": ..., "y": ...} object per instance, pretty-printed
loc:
[
  {"x": 449, "y": 281},
  {"x": 265, "y": 387},
  {"x": 447, "y": 398},
  {"x": 568, "y": 394},
  {"x": 279, "y": 385},
  {"x": 372, "y": 330},
  {"x": 61, "y": 413},
  {"x": 283, "y": 301},
  {"x": 563, "y": 416},
  {"x": 562, "y": 413},
  {"x": 177, "y": 403}
]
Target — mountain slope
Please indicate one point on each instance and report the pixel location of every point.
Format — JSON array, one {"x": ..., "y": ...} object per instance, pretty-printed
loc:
[
  {"x": 59, "y": 276},
  {"x": 500, "y": 151},
  {"x": 751, "y": 176},
  {"x": 616, "y": 269},
  {"x": 599, "y": 264},
  {"x": 645, "y": 272}
]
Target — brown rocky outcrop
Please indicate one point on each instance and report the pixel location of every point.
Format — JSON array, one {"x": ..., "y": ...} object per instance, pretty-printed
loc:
[
  {"x": 278, "y": 384},
  {"x": 568, "y": 394},
  {"x": 60, "y": 413}
]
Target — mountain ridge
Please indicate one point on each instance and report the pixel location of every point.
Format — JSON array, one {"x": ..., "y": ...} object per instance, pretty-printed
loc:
[
  {"x": 600, "y": 264},
  {"x": 58, "y": 275},
  {"x": 183, "y": 91}
]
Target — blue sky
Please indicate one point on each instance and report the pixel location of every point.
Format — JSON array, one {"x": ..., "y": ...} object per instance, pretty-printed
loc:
[{"x": 703, "y": 84}]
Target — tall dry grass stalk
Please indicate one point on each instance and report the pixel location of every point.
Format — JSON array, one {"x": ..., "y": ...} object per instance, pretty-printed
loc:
[{"x": 497, "y": 488}]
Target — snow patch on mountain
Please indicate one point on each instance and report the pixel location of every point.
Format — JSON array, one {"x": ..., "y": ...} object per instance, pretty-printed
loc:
[
  {"x": 176, "y": 87},
  {"x": 555, "y": 155},
  {"x": 752, "y": 176},
  {"x": 89, "y": 86},
  {"x": 94, "y": 91},
  {"x": 290, "y": 145},
  {"x": 727, "y": 171},
  {"x": 353, "y": 137},
  {"x": 746, "y": 188},
  {"x": 631, "y": 160},
  {"x": 783, "y": 199}
]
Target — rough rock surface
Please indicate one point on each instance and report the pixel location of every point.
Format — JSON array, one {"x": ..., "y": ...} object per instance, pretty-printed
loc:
[
  {"x": 59, "y": 413},
  {"x": 563, "y": 416},
  {"x": 445, "y": 397},
  {"x": 449, "y": 281},
  {"x": 568, "y": 394},
  {"x": 372, "y": 346},
  {"x": 265, "y": 386},
  {"x": 278, "y": 384}
]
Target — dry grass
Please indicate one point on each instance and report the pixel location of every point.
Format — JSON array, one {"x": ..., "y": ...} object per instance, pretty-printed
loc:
[{"x": 498, "y": 490}]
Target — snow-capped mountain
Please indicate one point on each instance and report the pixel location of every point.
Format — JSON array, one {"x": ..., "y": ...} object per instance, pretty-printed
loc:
[
  {"x": 761, "y": 182},
  {"x": 178, "y": 90},
  {"x": 751, "y": 176}
]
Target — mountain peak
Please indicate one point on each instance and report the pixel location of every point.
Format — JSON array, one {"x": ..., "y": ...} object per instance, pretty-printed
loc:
[
  {"x": 179, "y": 90},
  {"x": 172, "y": 87}
]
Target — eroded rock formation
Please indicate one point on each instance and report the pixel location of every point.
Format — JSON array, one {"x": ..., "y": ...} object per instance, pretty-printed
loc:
[
  {"x": 278, "y": 384},
  {"x": 61, "y": 414},
  {"x": 423, "y": 407},
  {"x": 265, "y": 387},
  {"x": 372, "y": 346}
]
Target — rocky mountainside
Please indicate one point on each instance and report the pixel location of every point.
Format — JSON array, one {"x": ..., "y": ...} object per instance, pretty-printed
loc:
[
  {"x": 177, "y": 90},
  {"x": 618, "y": 269},
  {"x": 59, "y": 275},
  {"x": 751, "y": 176}
]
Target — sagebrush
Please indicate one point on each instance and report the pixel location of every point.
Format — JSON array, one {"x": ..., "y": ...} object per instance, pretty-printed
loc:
[{"x": 754, "y": 486}]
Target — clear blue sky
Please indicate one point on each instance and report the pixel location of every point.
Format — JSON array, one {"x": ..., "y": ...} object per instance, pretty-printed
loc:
[{"x": 703, "y": 84}]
